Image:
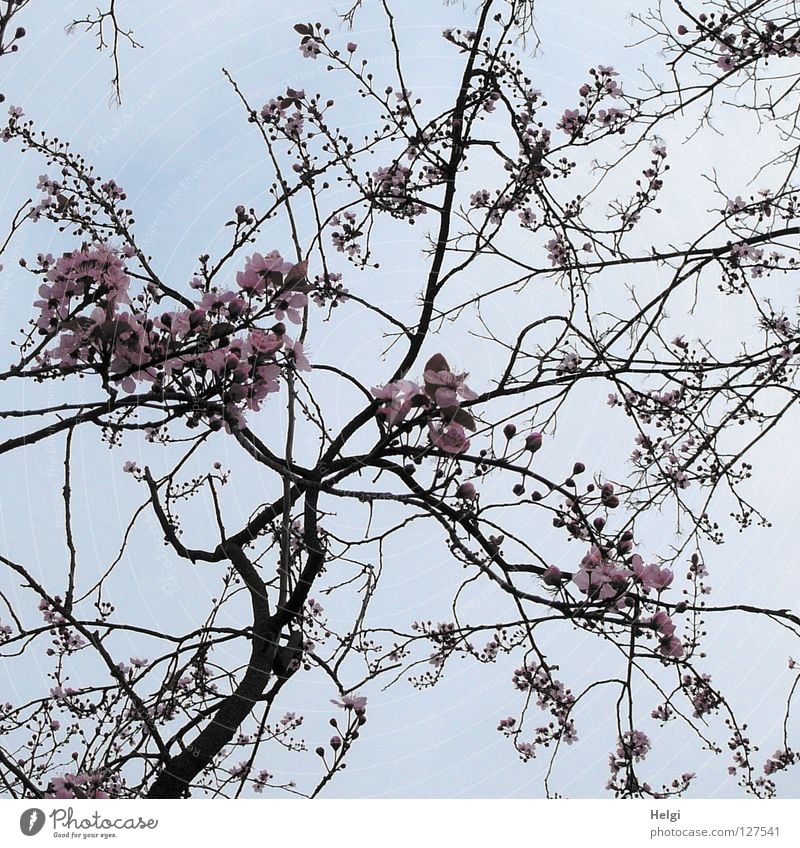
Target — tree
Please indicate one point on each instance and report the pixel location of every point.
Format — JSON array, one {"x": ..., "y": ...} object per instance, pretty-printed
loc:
[{"x": 359, "y": 448}]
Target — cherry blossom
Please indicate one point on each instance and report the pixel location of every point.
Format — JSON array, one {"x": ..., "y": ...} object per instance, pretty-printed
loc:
[
  {"x": 398, "y": 398},
  {"x": 450, "y": 438},
  {"x": 445, "y": 388},
  {"x": 351, "y": 702}
]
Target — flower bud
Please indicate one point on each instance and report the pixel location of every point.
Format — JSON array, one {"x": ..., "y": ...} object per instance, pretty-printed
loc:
[
  {"x": 466, "y": 491},
  {"x": 509, "y": 431},
  {"x": 336, "y": 742},
  {"x": 533, "y": 441},
  {"x": 552, "y": 576}
]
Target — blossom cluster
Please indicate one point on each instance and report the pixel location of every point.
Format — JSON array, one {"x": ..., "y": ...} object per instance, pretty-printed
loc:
[
  {"x": 613, "y": 582},
  {"x": 81, "y": 785},
  {"x": 213, "y": 354},
  {"x": 577, "y": 122},
  {"x": 551, "y": 695},
  {"x": 441, "y": 396}
]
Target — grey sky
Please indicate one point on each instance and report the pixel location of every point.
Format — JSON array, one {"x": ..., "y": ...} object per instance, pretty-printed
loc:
[{"x": 182, "y": 148}]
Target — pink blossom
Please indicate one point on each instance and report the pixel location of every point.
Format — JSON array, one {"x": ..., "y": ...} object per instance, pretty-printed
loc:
[
  {"x": 600, "y": 578},
  {"x": 259, "y": 269},
  {"x": 310, "y": 48},
  {"x": 75, "y": 786},
  {"x": 398, "y": 398},
  {"x": 265, "y": 381},
  {"x": 662, "y": 623},
  {"x": 570, "y": 122},
  {"x": 451, "y": 439},
  {"x": 240, "y": 770},
  {"x": 671, "y": 646},
  {"x": 557, "y": 251},
  {"x": 297, "y": 354},
  {"x": 651, "y": 576},
  {"x": 479, "y": 199},
  {"x": 351, "y": 702},
  {"x": 633, "y": 745},
  {"x": 291, "y": 305},
  {"x": 445, "y": 388},
  {"x": 608, "y": 117}
]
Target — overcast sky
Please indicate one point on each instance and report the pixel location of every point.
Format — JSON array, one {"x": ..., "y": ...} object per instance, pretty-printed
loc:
[{"x": 181, "y": 147}]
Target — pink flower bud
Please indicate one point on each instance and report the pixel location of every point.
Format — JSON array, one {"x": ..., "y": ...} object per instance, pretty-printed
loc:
[
  {"x": 466, "y": 491},
  {"x": 509, "y": 431},
  {"x": 533, "y": 441},
  {"x": 552, "y": 576}
]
